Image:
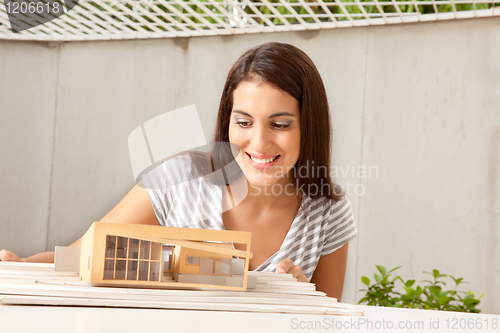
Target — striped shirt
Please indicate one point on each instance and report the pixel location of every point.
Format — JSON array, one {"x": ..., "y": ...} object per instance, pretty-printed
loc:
[{"x": 193, "y": 199}]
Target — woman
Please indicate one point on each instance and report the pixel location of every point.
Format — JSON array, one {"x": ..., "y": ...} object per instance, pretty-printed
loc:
[{"x": 274, "y": 108}]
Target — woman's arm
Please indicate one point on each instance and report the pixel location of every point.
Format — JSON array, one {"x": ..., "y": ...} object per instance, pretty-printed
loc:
[
  {"x": 330, "y": 273},
  {"x": 40, "y": 257},
  {"x": 134, "y": 208}
]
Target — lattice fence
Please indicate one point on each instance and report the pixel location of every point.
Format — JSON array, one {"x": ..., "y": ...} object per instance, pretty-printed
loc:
[{"x": 141, "y": 19}]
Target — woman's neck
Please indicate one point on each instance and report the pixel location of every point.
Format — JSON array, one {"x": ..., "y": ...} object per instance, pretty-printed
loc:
[{"x": 281, "y": 193}]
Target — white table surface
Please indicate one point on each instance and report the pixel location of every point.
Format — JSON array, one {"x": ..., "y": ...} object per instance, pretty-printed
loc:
[{"x": 41, "y": 319}]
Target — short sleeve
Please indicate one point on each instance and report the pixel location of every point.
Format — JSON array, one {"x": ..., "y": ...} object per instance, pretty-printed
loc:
[
  {"x": 185, "y": 193},
  {"x": 340, "y": 225},
  {"x": 158, "y": 183}
]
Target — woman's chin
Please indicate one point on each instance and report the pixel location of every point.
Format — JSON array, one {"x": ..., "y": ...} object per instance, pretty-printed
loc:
[{"x": 261, "y": 182}]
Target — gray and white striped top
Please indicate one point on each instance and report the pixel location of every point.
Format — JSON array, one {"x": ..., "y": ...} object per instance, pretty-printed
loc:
[{"x": 193, "y": 199}]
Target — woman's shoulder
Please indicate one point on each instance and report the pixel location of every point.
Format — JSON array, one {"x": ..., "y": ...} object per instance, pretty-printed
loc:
[
  {"x": 181, "y": 189},
  {"x": 194, "y": 162},
  {"x": 181, "y": 168}
]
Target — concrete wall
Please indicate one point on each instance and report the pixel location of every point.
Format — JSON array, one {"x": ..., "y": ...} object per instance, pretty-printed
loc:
[{"x": 416, "y": 103}]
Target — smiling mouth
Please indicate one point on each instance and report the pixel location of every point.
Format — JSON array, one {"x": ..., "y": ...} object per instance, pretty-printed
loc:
[{"x": 263, "y": 161}]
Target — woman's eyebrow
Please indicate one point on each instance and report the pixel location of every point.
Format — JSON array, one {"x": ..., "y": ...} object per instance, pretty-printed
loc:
[{"x": 279, "y": 114}]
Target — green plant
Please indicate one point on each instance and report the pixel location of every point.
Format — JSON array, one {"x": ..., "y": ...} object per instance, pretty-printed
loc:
[{"x": 430, "y": 296}]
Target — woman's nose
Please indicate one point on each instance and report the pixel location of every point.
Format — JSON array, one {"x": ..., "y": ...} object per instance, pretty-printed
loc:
[{"x": 261, "y": 139}]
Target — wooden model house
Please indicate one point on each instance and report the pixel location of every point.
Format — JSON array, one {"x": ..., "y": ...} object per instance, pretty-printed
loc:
[{"x": 156, "y": 256}]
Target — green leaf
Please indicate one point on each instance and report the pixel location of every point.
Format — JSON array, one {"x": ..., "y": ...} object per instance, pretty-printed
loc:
[
  {"x": 435, "y": 273},
  {"x": 381, "y": 269},
  {"x": 470, "y": 301},
  {"x": 378, "y": 278},
  {"x": 409, "y": 290},
  {"x": 409, "y": 283},
  {"x": 392, "y": 270},
  {"x": 469, "y": 296},
  {"x": 443, "y": 300},
  {"x": 365, "y": 280}
]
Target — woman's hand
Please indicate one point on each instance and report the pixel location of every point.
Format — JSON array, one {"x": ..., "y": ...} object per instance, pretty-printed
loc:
[
  {"x": 286, "y": 266},
  {"x": 8, "y": 256}
]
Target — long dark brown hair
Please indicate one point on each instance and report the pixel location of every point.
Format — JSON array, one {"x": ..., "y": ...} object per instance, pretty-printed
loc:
[{"x": 291, "y": 70}]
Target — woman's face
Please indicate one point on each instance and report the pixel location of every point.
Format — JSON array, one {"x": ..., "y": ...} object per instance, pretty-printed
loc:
[{"x": 265, "y": 125}]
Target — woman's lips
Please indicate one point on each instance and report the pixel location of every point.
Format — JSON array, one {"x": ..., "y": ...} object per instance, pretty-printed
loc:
[{"x": 262, "y": 166}]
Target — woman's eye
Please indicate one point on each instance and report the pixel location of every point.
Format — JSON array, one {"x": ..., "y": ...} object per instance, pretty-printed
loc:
[
  {"x": 280, "y": 126},
  {"x": 243, "y": 123}
]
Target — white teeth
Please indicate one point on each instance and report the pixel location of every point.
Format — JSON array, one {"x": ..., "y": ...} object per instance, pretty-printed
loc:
[{"x": 256, "y": 160}]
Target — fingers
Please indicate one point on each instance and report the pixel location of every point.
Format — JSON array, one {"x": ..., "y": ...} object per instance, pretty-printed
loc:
[
  {"x": 8, "y": 256},
  {"x": 5, "y": 255},
  {"x": 287, "y": 266},
  {"x": 284, "y": 266},
  {"x": 298, "y": 274}
]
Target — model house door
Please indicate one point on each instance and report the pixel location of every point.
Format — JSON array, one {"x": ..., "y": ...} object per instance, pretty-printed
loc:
[{"x": 167, "y": 257}]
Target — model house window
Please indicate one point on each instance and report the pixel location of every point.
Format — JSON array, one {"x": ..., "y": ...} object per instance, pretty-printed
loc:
[
  {"x": 222, "y": 266},
  {"x": 207, "y": 266},
  {"x": 190, "y": 260},
  {"x": 132, "y": 259},
  {"x": 215, "y": 266}
]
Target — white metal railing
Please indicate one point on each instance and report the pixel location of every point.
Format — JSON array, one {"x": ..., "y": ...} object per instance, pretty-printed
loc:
[{"x": 141, "y": 19}]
